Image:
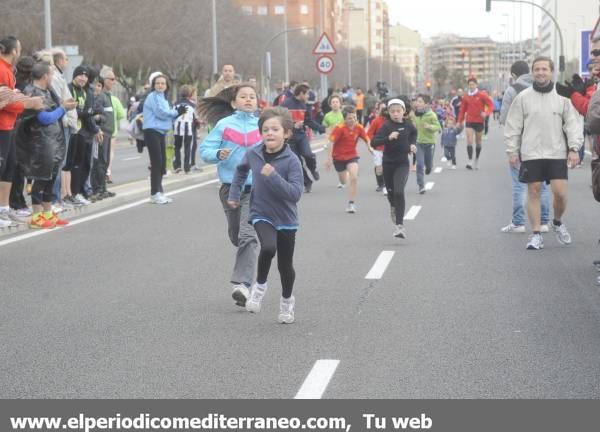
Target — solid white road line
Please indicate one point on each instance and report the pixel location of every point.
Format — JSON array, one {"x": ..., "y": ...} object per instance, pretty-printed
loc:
[
  {"x": 99, "y": 215},
  {"x": 132, "y": 158},
  {"x": 412, "y": 212},
  {"x": 429, "y": 185},
  {"x": 438, "y": 170},
  {"x": 317, "y": 380},
  {"x": 378, "y": 269}
]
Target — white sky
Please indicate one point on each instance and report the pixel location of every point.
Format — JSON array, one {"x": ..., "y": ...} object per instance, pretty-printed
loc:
[{"x": 466, "y": 18}]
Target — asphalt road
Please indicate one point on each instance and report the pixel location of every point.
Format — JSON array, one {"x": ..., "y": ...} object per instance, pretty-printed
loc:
[{"x": 136, "y": 304}]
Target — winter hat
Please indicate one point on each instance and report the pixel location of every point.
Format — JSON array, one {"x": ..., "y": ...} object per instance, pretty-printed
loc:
[
  {"x": 153, "y": 75},
  {"x": 520, "y": 67},
  {"x": 80, "y": 70}
]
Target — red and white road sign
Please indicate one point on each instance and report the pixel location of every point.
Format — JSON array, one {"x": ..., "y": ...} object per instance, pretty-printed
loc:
[
  {"x": 325, "y": 64},
  {"x": 324, "y": 45}
]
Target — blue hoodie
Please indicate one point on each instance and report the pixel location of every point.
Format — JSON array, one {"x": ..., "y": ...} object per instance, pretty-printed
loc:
[
  {"x": 237, "y": 132},
  {"x": 274, "y": 198},
  {"x": 158, "y": 114}
]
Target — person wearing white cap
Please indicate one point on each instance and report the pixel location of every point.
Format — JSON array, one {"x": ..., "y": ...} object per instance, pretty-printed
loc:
[{"x": 399, "y": 139}]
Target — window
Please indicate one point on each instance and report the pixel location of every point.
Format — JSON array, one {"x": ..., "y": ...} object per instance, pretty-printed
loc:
[
  {"x": 304, "y": 9},
  {"x": 247, "y": 10},
  {"x": 279, "y": 10},
  {"x": 262, "y": 10}
]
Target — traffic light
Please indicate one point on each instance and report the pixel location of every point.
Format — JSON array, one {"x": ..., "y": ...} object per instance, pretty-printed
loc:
[{"x": 488, "y": 5}]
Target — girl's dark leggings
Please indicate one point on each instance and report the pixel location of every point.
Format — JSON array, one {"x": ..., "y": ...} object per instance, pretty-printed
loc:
[
  {"x": 41, "y": 190},
  {"x": 155, "y": 143},
  {"x": 281, "y": 242},
  {"x": 395, "y": 177}
]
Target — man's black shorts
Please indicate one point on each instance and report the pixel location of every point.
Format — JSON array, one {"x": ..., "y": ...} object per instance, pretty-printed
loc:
[
  {"x": 477, "y": 127},
  {"x": 540, "y": 170}
]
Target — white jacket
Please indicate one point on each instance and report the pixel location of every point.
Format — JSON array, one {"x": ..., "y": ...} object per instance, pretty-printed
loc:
[
  {"x": 61, "y": 88},
  {"x": 542, "y": 126}
]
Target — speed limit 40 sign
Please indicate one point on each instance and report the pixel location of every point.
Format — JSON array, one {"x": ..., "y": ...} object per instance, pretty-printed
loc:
[{"x": 325, "y": 64}]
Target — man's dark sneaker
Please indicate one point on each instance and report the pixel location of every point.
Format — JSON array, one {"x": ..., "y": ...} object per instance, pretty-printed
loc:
[
  {"x": 422, "y": 190},
  {"x": 307, "y": 187},
  {"x": 107, "y": 194},
  {"x": 316, "y": 175},
  {"x": 427, "y": 171},
  {"x": 95, "y": 197},
  {"x": 379, "y": 189}
]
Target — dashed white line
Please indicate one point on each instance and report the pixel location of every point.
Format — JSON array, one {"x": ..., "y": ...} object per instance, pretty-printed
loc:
[
  {"x": 99, "y": 215},
  {"x": 378, "y": 269},
  {"x": 412, "y": 212},
  {"x": 438, "y": 170},
  {"x": 317, "y": 380},
  {"x": 429, "y": 185}
]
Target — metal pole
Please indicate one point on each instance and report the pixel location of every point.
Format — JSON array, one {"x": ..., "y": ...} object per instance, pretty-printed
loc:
[
  {"x": 368, "y": 43},
  {"x": 285, "y": 37},
  {"x": 214, "y": 37},
  {"x": 349, "y": 47},
  {"x": 47, "y": 25},
  {"x": 323, "y": 76}
]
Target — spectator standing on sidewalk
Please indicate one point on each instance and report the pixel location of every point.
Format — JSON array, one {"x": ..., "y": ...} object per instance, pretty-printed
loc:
[
  {"x": 184, "y": 128},
  {"x": 42, "y": 145},
  {"x": 62, "y": 187},
  {"x": 544, "y": 132},
  {"x": 158, "y": 119},
  {"x": 10, "y": 51},
  {"x": 235, "y": 132},
  {"x": 226, "y": 80}
]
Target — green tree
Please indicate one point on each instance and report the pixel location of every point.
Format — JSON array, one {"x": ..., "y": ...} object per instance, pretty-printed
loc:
[{"x": 440, "y": 76}]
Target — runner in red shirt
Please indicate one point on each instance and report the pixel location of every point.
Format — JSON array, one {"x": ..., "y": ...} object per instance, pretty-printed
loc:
[
  {"x": 376, "y": 123},
  {"x": 343, "y": 154}
]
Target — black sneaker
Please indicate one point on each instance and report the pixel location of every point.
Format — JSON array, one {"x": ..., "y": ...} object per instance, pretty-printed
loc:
[
  {"x": 307, "y": 188},
  {"x": 316, "y": 175},
  {"x": 422, "y": 190},
  {"x": 379, "y": 189}
]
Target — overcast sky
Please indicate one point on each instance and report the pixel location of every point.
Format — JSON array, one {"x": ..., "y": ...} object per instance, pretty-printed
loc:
[{"x": 465, "y": 18}]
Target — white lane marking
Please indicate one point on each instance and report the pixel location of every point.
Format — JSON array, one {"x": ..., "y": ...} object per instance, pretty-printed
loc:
[
  {"x": 412, "y": 213},
  {"x": 317, "y": 380},
  {"x": 99, "y": 215},
  {"x": 438, "y": 170},
  {"x": 429, "y": 185},
  {"x": 132, "y": 158},
  {"x": 319, "y": 150},
  {"x": 378, "y": 269}
]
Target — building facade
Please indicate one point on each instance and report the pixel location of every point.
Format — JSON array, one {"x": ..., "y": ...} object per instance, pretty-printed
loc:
[{"x": 406, "y": 51}]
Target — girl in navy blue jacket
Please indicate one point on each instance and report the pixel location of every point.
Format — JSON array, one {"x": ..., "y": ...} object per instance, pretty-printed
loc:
[{"x": 277, "y": 184}]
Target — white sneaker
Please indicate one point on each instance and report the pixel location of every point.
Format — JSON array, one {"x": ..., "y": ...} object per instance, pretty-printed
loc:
[
  {"x": 5, "y": 220},
  {"x": 23, "y": 212},
  {"x": 168, "y": 198},
  {"x": 512, "y": 228},
  {"x": 159, "y": 198},
  {"x": 562, "y": 235},
  {"x": 240, "y": 294},
  {"x": 256, "y": 295},
  {"x": 544, "y": 228},
  {"x": 476, "y": 164},
  {"x": 536, "y": 242},
  {"x": 341, "y": 186},
  {"x": 384, "y": 191},
  {"x": 80, "y": 199},
  {"x": 19, "y": 218},
  {"x": 399, "y": 231},
  {"x": 443, "y": 159},
  {"x": 469, "y": 164},
  {"x": 57, "y": 208},
  {"x": 286, "y": 310},
  {"x": 351, "y": 208}
]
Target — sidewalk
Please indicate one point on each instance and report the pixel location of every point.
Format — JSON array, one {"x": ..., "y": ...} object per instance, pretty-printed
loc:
[{"x": 140, "y": 189}]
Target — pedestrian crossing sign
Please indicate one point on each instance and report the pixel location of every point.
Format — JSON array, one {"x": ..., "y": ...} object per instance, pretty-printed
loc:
[{"x": 324, "y": 45}]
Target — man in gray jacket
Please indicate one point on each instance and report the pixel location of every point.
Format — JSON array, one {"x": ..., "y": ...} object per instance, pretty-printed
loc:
[
  {"x": 543, "y": 132},
  {"x": 522, "y": 79}
]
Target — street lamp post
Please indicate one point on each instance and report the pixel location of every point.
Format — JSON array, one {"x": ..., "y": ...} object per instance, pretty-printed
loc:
[
  {"x": 47, "y": 25},
  {"x": 214, "y": 37}
]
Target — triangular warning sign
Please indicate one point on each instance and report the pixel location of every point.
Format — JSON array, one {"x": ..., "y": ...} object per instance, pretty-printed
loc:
[
  {"x": 324, "y": 45},
  {"x": 596, "y": 31}
]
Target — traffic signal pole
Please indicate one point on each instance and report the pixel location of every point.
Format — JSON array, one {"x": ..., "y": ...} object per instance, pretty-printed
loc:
[{"x": 561, "y": 58}]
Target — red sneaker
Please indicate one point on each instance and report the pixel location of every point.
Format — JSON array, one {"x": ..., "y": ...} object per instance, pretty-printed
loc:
[
  {"x": 57, "y": 221},
  {"x": 41, "y": 222}
]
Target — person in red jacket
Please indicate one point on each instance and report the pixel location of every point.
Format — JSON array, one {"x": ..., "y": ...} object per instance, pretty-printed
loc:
[
  {"x": 579, "y": 91},
  {"x": 473, "y": 112},
  {"x": 380, "y": 116},
  {"x": 10, "y": 51}
]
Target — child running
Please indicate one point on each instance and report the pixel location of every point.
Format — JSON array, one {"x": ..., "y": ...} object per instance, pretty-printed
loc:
[
  {"x": 399, "y": 139},
  {"x": 343, "y": 154},
  {"x": 277, "y": 186},
  {"x": 380, "y": 116},
  {"x": 235, "y": 131},
  {"x": 335, "y": 116},
  {"x": 448, "y": 141}
]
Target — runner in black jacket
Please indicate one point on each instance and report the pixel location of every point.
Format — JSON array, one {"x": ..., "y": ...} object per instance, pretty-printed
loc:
[{"x": 399, "y": 138}]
